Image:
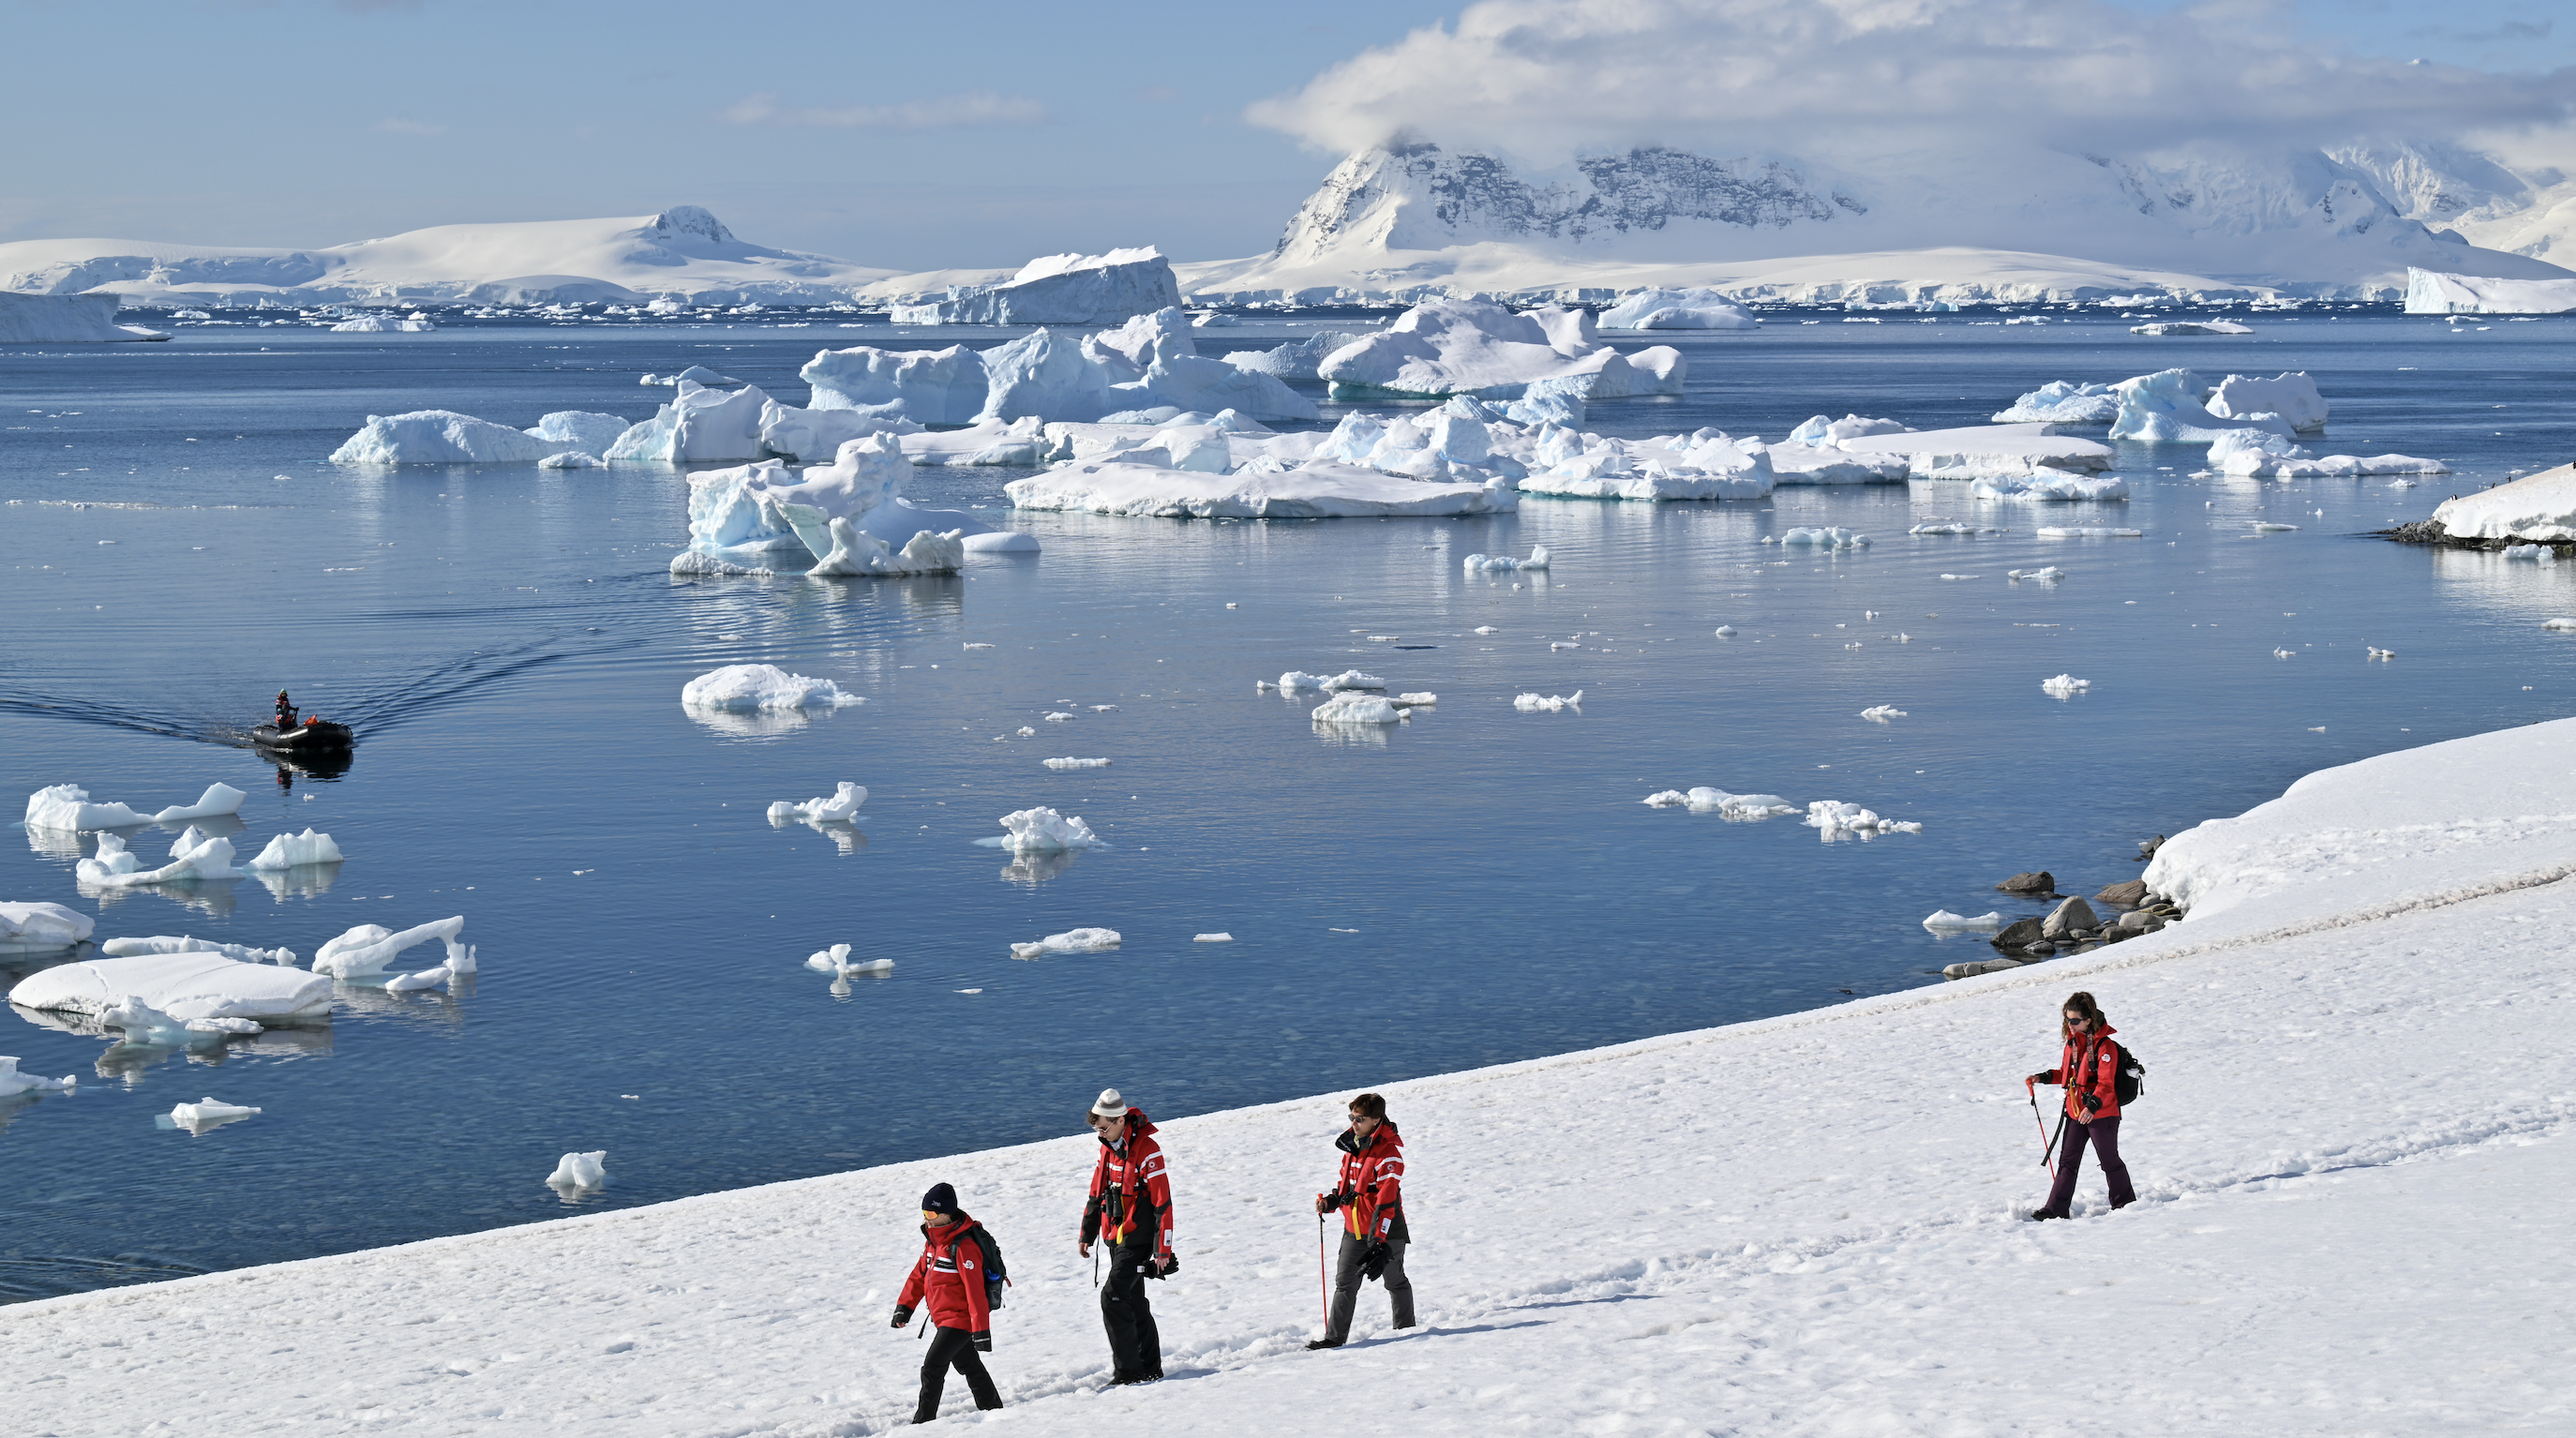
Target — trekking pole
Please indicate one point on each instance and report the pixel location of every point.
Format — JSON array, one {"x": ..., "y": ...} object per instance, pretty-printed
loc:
[
  {"x": 1323, "y": 1290},
  {"x": 2049, "y": 1149}
]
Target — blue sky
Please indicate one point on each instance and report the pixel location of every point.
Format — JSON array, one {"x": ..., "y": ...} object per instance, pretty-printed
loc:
[{"x": 906, "y": 136}]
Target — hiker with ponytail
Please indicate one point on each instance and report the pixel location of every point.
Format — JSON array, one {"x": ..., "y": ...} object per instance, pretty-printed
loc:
[{"x": 2089, "y": 1067}]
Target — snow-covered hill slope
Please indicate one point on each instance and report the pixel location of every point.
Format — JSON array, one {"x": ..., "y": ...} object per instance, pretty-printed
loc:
[
  {"x": 2352, "y": 1162},
  {"x": 1413, "y": 213},
  {"x": 681, "y": 251}
]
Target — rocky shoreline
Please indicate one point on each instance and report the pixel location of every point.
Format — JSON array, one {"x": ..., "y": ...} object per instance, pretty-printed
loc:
[
  {"x": 2430, "y": 531},
  {"x": 2072, "y": 927}
]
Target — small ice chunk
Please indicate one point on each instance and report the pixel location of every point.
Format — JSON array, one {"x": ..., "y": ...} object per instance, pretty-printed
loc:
[
  {"x": 367, "y": 948},
  {"x": 1881, "y": 713},
  {"x": 1072, "y": 941},
  {"x": 1353, "y": 707},
  {"x": 1421, "y": 700},
  {"x": 1042, "y": 830},
  {"x": 1733, "y": 806},
  {"x": 580, "y": 1170},
  {"x": 1026, "y": 731},
  {"x": 836, "y": 961},
  {"x": 1072, "y": 763},
  {"x": 1480, "y": 563},
  {"x": 2267, "y": 526},
  {"x": 979, "y": 646},
  {"x": 1833, "y": 816},
  {"x": 194, "y": 857},
  {"x": 1481, "y": 628},
  {"x": 219, "y": 799},
  {"x": 13, "y": 1083},
  {"x": 1829, "y": 537},
  {"x": 2559, "y": 623},
  {"x": 840, "y": 807},
  {"x": 1943, "y": 921},
  {"x": 2049, "y": 575},
  {"x": 288, "y": 850},
  {"x": 761, "y": 687},
  {"x": 207, "y": 1112},
  {"x": 1213, "y": 939},
  {"x": 425, "y": 979},
  {"x": 29, "y": 927},
  {"x": 1548, "y": 703},
  {"x": 1726, "y": 631},
  {"x": 1059, "y": 717},
  {"x": 2087, "y": 531},
  {"x": 184, "y": 944},
  {"x": 2066, "y": 686}
]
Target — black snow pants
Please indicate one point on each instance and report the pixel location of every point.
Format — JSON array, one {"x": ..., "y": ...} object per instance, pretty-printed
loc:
[
  {"x": 953, "y": 1346},
  {"x": 1346, "y": 1287},
  {"x": 1135, "y": 1344}
]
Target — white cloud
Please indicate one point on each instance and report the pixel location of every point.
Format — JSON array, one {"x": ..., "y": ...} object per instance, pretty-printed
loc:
[
  {"x": 1542, "y": 79},
  {"x": 968, "y": 108},
  {"x": 409, "y": 127}
]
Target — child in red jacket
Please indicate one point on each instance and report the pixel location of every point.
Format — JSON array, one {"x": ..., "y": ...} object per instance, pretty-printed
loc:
[{"x": 950, "y": 1274}]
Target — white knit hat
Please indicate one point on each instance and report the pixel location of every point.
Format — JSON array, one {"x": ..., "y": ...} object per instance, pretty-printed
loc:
[{"x": 1110, "y": 1105}]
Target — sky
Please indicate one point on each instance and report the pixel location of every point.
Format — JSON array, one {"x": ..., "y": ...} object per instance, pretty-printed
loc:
[{"x": 914, "y": 137}]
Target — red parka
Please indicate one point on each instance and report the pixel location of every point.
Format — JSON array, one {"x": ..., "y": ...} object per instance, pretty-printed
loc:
[
  {"x": 1129, "y": 1183},
  {"x": 1372, "y": 1185},
  {"x": 950, "y": 1272},
  {"x": 2091, "y": 1064}
]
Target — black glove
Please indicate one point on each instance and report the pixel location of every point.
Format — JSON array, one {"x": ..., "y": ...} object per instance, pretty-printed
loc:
[
  {"x": 983, "y": 1341},
  {"x": 2039, "y": 1078},
  {"x": 1327, "y": 1202},
  {"x": 1373, "y": 1262},
  {"x": 902, "y": 1315},
  {"x": 2088, "y": 1101}
]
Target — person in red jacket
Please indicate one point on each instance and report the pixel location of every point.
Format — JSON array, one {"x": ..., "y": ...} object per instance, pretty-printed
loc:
[
  {"x": 1130, "y": 1211},
  {"x": 1370, "y": 1194},
  {"x": 950, "y": 1274},
  {"x": 2090, "y": 1069}
]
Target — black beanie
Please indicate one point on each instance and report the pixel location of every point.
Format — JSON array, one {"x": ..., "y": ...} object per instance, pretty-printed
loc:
[{"x": 942, "y": 1198}]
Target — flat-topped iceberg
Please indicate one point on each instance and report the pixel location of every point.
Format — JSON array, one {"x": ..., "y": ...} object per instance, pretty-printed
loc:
[
  {"x": 2192, "y": 327},
  {"x": 1677, "y": 310},
  {"x": 34, "y": 927},
  {"x": 184, "y": 986},
  {"x": 752, "y": 688},
  {"x": 1474, "y": 347},
  {"x": 2535, "y": 508},
  {"x": 66, "y": 319},
  {"x": 438, "y": 436},
  {"x": 2431, "y": 292},
  {"x": 1067, "y": 289}
]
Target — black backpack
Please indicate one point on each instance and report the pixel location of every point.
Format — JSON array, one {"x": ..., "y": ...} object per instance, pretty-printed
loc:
[
  {"x": 996, "y": 1276},
  {"x": 2129, "y": 1079}
]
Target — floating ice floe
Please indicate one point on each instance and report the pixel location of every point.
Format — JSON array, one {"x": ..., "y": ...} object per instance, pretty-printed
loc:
[
  {"x": 210, "y": 1112},
  {"x": 1718, "y": 801},
  {"x": 1943, "y": 921},
  {"x": 2532, "y": 553},
  {"x": 14, "y": 1083},
  {"x": 67, "y": 806},
  {"x": 1297, "y": 679},
  {"x": 1425, "y": 700},
  {"x": 36, "y": 927},
  {"x": 1547, "y": 703},
  {"x": 2192, "y": 327},
  {"x": 1695, "y": 309},
  {"x": 1953, "y": 526},
  {"x": 1073, "y": 941},
  {"x": 2062, "y": 402},
  {"x": 1072, "y": 763},
  {"x": 2272, "y": 526},
  {"x": 1881, "y": 713},
  {"x": 286, "y": 851},
  {"x": 195, "y": 856},
  {"x": 1832, "y": 536},
  {"x": 2048, "y": 575},
  {"x": 1213, "y": 939},
  {"x": 1069, "y": 289},
  {"x": 1482, "y": 564},
  {"x": 1353, "y": 707},
  {"x": 2561, "y": 623},
  {"x": 580, "y": 1171},
  {"x": 836, "y": 962},
  {"x": 839, "y": 807},
  {"x": 1833, "y": 816},
  {"x": 1042, "y": 830},
  {"x": 2170, "y": 407},
  {"x": 742, "y": 688},
  {"x": 694, "y": 374},
  {"x": 1474, "y": 347},
  {"x": 438, "y": 436},
  {"x": 1975, "y": 451},
  {"x": 185, "y": 944},
  {"x": 2044, "y": 485},
  {"x": 185, "y": 986},
  {"x": 2065, "y": 686},
  {"x": 368, "y": 948},
  {"x": 2261, "y": 455},
  {"x": 1705, "y": 464},
  {"x": 1316, "y": 489},
  {"x": 2086, "y": 531}
]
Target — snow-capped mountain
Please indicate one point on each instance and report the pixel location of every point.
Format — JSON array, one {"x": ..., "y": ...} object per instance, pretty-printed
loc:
[
  {"x": 2352, "y": 221},
  {"x": 682, "y": 251}
]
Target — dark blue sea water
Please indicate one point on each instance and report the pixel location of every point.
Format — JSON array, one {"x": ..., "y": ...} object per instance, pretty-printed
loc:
[{"x": 1478, "y": 886}]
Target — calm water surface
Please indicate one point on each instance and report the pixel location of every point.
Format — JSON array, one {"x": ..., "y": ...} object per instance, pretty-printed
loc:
[{"x": 1476, "y": 886}]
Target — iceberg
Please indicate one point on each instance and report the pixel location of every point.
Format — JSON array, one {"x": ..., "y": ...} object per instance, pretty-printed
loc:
[
  {"x": 437, "y": 436},
  {"x": 816, "y": 435},
  {"x": 850, "y": 515},
  {"x": 2061, "y": 402},
  {"x": 759, "y": 688},
  {"x": 1043, "y": 375},
  {"x": 944, "y": 386},
  {"x": 1020, "y": 442},
  {"x": 1831, "y": 536},
  {"x": 2430, "y": 292},
  {"x": 368, "y": 948},
  {"x": 34, "y": 927},
  {"x": 2258, "y": 454},
  {"x": 1318, "y": 489},
  {"x": 2066, "y": 686},
  {"x": 1458, "y": 346},
  {"x": 1483, "y": 564},
  {"x": 383, "y": 324},
  {"x": 1354, "y": 707},
  {"x": 1297, "y": 359},
  {"x": 1074, "y": 941},
  {"x": 2045, "y": 485},
  {"x": 1677, "y": 310},
  {"x": 1717, "y": 801},
  {"x": 572, "y": 459},
  {"x": 1548, "y": 703},
  {"x": 218, "y": 800},
  {"x": 2290, "y": 396},
  {"x": 185, "y": 986},
  {"x": 699, "y": 424},
  {"x": 2537, "y": 508},
  {"x": 2167, "y": 408},
  {"x": 1059, "y": 290},
  {"x": 285, "y": 851},
  {"x": 1207, "y": 385},
  {"x": 66, "y": 319},
  {"x": 1042, "y": 830},
  {"x": 193, "y": 857},
  {"x": 840, "y": 807},
  {"x": 580, "y": 1171},
  {"x": 585, "y": 432},
  {"x": 67, "y": 806}
]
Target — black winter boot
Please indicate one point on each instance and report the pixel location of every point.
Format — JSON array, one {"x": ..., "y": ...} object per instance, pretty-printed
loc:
[{"x": 1323, "y": 1343}]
